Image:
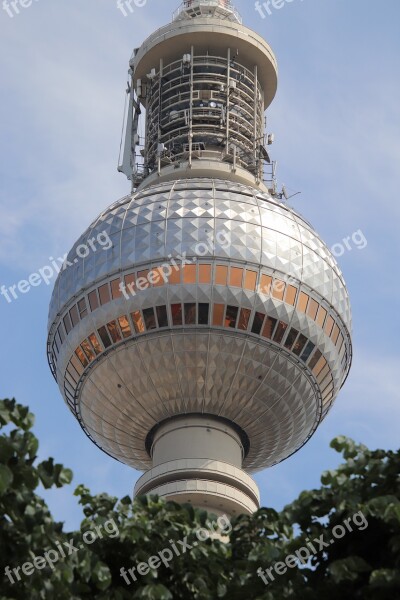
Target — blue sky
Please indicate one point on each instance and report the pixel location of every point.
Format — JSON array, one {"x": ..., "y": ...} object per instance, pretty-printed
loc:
[{"x": 336, "y": 120}]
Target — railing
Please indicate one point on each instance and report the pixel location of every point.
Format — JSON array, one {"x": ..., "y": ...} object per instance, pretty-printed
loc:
[{"x": 193, "y": 4}]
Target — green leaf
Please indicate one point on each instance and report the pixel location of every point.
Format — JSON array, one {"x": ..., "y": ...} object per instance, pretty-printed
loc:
[
  {"x": 385, "y": 578},
  {"x": 102, "y": 576},
  {"x": 6, "y": 478},
  {"x": 348, "y": 569},
  {"x": 155, "y": 592},
  {"x": 66, "y": 476}
]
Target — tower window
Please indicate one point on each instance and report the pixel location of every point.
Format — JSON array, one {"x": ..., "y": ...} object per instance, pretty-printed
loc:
[
  {"x": 244, "y": 319},
  {"x": 115, "y": 289},
  {"x": 278, "y": 289},
  {"x": 175, "y": 276},
  {"x": 307, "y": 352},
  {"x": 291, "y": 337},
  {"x": 86, "y": 347},
  {"x": 190, "y": 313},
  {"x": 149, "y": 319},
  {"x": 189, "y": 274},
  {"x": 74, "y": 315},
  {"x": 291, "y": 294},
  {"x": 312, "y": 309},
  {"x": 67, "y": 323},
  {"x": 303, "y": 301},
  {"x": 329, "y": 325},
  {"x": 221, "y": 275},
  {"x": 104, "y": 293},
  {"x": 204, "y": 310},
  {"x": 231, "y": 316},
  {"x": 265, "y": 286},
  {"x": 218, "y": 314},
  {"x": 162, "y": 316},
  {"x": 82, "y": 357},
  {"x": 280, "y": 332},
  {"x": 335, "y": 333},
  {"x": 236, "y": 277},
  {"x": 269, "y": 327},
  {"x": 176, "y": 311},
  {"x": 95, "y": 343},
  {"x": 93, "y": 300},
  {"x": 124, "y": 326},
  {"x": 137, "y": 321},
  {"x": 321, "y": 316},
  {"x": 114, "y": 331},
  {"x": 299, "y": 345},
  {"x": 204, "y": 273},
  {"x": 257, "y": 323},
  {"x": 82, "y": 308},
  {"x": 250, "y": 280},
  {"x": 105, "y": 338}
]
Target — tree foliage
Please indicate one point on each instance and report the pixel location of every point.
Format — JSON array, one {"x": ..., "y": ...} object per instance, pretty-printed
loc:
[{"x": 362, "y": 564}]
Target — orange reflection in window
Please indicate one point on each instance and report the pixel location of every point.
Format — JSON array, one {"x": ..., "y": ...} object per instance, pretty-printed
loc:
[
  {"x": 231, "y": 316},
  {"x": 265, "y": 285},
  {"x": 319, "y": 366},
  {"x": 114, "y": 331},
  {"x": 335, "y": 333},
  {"x": 339, "y": 342},
  {"x": 175, "y": 277},
  {"x": 82, "y": 357},
  {"x": 291, "y": 294},
  {"x": 156, "y": 277},
  {"x": 204, "y": 273},
  {"x": 138, "y": 321},
  {"x": 124, "y": 326},
  {"x": 95, "y": 343},
  {"x": 269, "y": 327},
  {"x": 87, "y": 348},
  {"x": 329, "y": 325},
  {"x": 278, "y": 289},
  {"x": 189, "y": 274},
  {"x": 130, "y": 281},
  {"x": 303, "y": 301},
  {"x": 250, "y": 280},
  {"x": 244, "y": 319},
  {"x": 221, "y": 275},
  {"x": 142, "y": 282},
  {"x": 115, "y": 290},
  {"x": 280, "y": 332},
  {"x": 236, "y": 277},
  {"x": 218, "y": 314},
  {"x": 321, "y": 316},
  {"x": 176, "y": 311},
  {"x": 312, "y": 309}
]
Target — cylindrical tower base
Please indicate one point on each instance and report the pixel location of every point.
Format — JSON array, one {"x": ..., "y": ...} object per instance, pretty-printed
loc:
[{"x": 198, "y": 459}]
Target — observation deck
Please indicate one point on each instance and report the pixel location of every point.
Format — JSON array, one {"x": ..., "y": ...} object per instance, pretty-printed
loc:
[{"x": 223, "y": 9}]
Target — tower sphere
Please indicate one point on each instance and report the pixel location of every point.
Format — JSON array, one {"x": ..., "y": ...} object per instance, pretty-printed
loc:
[{"x": 204, "y": 330}]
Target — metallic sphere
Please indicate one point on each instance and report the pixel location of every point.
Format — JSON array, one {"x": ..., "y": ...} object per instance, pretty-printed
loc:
[{"x": 209, "y": 297}]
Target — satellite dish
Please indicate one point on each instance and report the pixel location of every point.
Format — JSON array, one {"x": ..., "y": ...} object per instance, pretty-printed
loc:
[
  {"x": 286, "y": 194},
  {"x": 213, "y": 104}
]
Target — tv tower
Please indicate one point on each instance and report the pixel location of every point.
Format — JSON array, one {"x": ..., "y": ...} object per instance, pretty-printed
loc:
[{"x": 212, "y": 336}]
